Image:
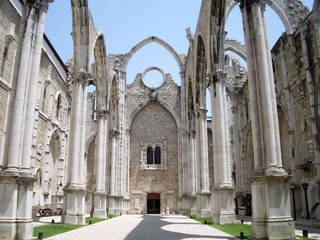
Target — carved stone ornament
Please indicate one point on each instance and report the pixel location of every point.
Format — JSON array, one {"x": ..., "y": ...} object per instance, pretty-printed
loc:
[
  {"x": 40, "y": 4},
  {"x": 153, "y": 96},
  {"x": 203, "y": 113}
]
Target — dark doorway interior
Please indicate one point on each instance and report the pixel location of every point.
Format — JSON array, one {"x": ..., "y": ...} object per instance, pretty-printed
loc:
[{"x": 153, "y": 203}]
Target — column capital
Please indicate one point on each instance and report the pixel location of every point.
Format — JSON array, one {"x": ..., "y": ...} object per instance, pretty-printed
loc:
[
  {"x": 202, "y": 113},
  {"x": 81, "y": 77},
  {"x": 39, "y": 4},
  {"x": 114, "y": 133},
  {"x": 102, "y": 114}
]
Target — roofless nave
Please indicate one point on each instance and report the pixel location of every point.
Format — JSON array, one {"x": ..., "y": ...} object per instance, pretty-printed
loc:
[{"x": 150, "y": 149}]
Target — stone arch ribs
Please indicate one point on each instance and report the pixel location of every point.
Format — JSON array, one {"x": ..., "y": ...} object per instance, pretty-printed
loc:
[
  {"x": 146, "y": 42},
  {"x": 236, "y": 47},
  {"x": 291, "y": 12}
]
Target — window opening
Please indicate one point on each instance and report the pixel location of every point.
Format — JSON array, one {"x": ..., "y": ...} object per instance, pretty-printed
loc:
[
  {"x": 149, "y": 155},
  {"x": 157, "y": 155},
  {"x": 58, "y": 105},
  {"x": 4, "y": 58}
]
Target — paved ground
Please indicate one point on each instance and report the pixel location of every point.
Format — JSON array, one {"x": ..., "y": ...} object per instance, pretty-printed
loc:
[
  {"x": 301, "y": 224},
  {"x": 150, "y": 227}
]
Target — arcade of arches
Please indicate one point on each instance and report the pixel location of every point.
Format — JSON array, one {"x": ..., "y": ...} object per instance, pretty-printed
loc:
[{"x": 139, "y": 149}]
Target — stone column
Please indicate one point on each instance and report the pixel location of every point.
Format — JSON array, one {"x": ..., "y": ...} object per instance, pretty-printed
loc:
[
  {"x": 222, "y": 196},
  {"x": 74, "y": 197},
  {"x": 113, "y": 177},
  {"x": 205, "y": 195},
  {"x": 269, "y": 184},
  {"x": 34, "y": 76},
  {"x": 16, "y": 179},
  {"x": 99, "y": 202},
  {"x": 127, "y": 172},
  {"x": 193, "y": 174}
]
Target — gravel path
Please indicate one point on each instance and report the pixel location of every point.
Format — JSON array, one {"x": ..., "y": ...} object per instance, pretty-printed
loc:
[{"x": 150, "y": 227}]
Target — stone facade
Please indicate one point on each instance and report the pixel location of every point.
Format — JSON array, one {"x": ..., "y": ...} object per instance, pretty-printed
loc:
[{"x": 153, "y": 126}]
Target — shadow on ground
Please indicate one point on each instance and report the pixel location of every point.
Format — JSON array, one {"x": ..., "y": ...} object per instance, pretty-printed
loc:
[{"x": 157, "y": 227}]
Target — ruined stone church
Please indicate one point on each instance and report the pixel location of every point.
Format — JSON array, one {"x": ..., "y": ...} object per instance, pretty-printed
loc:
[{"x": 143, "y": 149}]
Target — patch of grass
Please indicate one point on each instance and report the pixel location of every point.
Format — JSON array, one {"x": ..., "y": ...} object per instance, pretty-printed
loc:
[
  {"x": 94, "y": 220},
  {"x": 235, "y": 229},
  {"x": 304, "y": 238},
  {"x": 53, "y": 229},
  {"x": 232, "y": 229},
  {"x": 112, "y": 216}
]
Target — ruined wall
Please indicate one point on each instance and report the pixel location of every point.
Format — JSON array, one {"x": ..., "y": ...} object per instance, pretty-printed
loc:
[
  {"x": 154, "y": 125},
  {"x": 296, "y": 72}
]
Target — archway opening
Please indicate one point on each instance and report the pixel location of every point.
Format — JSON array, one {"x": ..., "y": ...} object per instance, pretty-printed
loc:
[
  {"x": 153, "y": 54},
  {"x": 234, "y": 21}
]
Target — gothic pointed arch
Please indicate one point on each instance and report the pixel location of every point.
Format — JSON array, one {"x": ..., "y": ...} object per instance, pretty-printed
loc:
[
  {"x": 113, "y": 104},
  {"x": 190, "y": 106},
  {"x": 147, "y": 41},
  {"x": 101, "y": 74},
  {"x": 201, "y": 72},
  {"x": 291, "y": 12},
  {"x": 145, "y": 102}
]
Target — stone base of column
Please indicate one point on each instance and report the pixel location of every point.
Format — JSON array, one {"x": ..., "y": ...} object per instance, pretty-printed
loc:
[
  {"x": 74, "y": 205},
  {"x": 16, "y": 205},
  {"x": 126, "y": 206},
  {"x": 271, "y": 208},
  {"x": 204, "y": 205},
  {"x": 223, "y": 206},
  {"x": 193, "y": 205},
  {"x": 116, "y": 205},
  {"x": 186, "y": 204},
  {"x": 99, "y": 205}
]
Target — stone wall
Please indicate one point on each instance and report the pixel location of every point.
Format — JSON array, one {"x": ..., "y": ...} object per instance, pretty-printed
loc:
[{"x": 154, "y": 125}]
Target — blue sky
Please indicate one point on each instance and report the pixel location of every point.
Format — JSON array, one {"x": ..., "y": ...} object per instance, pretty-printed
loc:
[{"x": 127, "y": 22}]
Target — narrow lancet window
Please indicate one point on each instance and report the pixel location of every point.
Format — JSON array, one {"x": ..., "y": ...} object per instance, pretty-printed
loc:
[
  {"x": 149, "y": 155},
  {"x": 157, "y": 155}
]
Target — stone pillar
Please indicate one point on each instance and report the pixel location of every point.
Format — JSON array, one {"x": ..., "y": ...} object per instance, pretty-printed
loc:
[
  {"x": 16, "y": 179},
  {"x": 74, "y": 197},
  {"x": 99, "y": 202},
  {"x": 193, "y": 175},
  {"x": 32, "y": 95},
  {"x": 113, "y": 197},
  {"x": 269, "y": 185},
  {"x": 205, "y": 194},
  {"x": 223, "y": 191}
]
